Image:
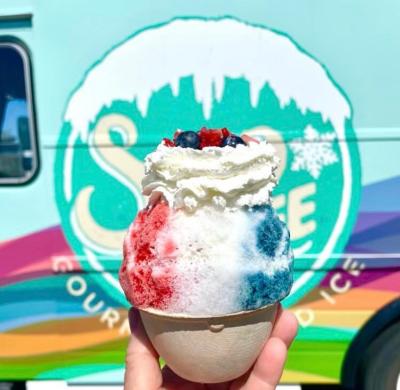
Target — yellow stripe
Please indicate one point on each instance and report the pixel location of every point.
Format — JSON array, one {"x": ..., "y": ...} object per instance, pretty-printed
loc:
[{"x": 290, "y": 376}]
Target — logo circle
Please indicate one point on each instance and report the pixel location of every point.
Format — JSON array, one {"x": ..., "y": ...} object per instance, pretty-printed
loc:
[{"x": 222, "y": 72}]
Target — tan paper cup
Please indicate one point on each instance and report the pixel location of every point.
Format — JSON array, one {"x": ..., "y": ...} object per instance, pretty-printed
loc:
[{"x": 210, "y": 349}]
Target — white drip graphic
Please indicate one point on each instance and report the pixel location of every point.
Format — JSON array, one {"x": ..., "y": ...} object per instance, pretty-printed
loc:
[{"x": 210, "y": 51}]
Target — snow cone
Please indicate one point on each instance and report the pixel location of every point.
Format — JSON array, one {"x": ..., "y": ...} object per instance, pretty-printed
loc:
[{"x": 208, "y": 259}]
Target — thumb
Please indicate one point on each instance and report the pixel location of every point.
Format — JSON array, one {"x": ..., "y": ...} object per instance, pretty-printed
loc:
[{"x": 142, "y": 369}]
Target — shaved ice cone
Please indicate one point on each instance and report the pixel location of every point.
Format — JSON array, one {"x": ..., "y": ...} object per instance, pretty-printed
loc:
[{"x": 208, "y": 259}]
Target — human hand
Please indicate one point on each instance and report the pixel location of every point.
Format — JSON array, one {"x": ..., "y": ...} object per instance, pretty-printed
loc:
[{"x": 143, "y": 371}]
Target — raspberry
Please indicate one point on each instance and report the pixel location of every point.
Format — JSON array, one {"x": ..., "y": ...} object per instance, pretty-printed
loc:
[
  {"x": 168, "y": 142},
  {"x": 210, "y": 137},
  {"x": 225, "y": 132}
]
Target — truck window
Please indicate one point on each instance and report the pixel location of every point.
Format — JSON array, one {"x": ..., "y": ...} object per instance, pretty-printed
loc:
[{"x": 18, "y": 151}]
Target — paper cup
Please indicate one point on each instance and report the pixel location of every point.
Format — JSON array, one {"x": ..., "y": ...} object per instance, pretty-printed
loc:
[{"x": 209, "y": 349}]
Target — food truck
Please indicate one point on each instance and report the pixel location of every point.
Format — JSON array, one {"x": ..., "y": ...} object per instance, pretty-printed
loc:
[{"x": 88, "y": 89}]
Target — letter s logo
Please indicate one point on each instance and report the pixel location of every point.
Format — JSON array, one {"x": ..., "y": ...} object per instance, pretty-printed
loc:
[{"x": 121, "y": 165}]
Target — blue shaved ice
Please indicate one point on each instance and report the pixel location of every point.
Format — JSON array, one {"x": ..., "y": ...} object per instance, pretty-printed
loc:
[{"x": 274, "y": 280}]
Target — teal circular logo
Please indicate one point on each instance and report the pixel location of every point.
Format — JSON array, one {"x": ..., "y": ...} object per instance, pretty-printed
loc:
[{"x": 193, "y": 72}]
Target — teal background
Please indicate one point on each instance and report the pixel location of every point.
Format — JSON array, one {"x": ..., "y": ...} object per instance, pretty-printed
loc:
[{"x": 357, "y": 41}]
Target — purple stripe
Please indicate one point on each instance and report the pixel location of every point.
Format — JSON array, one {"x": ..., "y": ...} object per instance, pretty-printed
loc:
[
  {"x": 381, "y": 196},
  {"x": 368, "y": 220},
  {"x": 385, "y": 230},
  {"x": 365, "y": 276}
]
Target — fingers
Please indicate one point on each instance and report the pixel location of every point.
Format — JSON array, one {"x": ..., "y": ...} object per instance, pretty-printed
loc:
[
  {"x": 174, "y": 382},
  {"x": 171, "y": 381},
  {"x": 142, "y": 368},
  {"x": 268, "y": 368},
  {"x": 285, "y": 327},
  {"x": 143, "y": 371}
]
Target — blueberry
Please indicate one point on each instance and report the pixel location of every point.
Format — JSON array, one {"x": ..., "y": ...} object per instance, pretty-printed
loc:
[
  {"x": 232, "y": 140},
  {"x": 188, "y": 139}
]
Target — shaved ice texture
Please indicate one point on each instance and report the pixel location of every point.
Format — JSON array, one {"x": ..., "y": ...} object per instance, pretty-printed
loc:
[
  {"x": 209, "y": 242},
  {"x": 209, "y": 262}
]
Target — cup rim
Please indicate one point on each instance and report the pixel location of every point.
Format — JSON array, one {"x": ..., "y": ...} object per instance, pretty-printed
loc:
[{"x": 177, "y": 316}]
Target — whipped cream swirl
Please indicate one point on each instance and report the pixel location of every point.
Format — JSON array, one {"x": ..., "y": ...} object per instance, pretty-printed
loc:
[{"x": 224, "y": 177}]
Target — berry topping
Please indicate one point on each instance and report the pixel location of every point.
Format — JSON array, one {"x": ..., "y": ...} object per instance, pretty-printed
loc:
[
  {"x": 177, "y": 132},
  {"x": 188, "y": 139},
  {"x": 232, "y": 140},
  {"x": 225, "y": 132},
  {"x": 206, "y": 138},
  {"x": 168, "y": 142},
  {"x": 246, "y": 138},
  {"x": 210, "y": 137}
]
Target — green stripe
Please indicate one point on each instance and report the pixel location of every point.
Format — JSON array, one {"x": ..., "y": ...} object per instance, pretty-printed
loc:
[
  {"x": 317, "y": 358},
  {"x": 78, "y": 370},
  {"x": 314, "y": 357},
  {"x": 316, "y": 333}
]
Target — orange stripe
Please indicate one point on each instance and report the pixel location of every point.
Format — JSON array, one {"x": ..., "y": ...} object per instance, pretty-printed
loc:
[
  {"x": 15, "y": 345},
  {"x": 341, "y": 318}
]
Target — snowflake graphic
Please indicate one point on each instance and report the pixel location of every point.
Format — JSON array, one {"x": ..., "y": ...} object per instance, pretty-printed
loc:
[{"x": 313, "y": 152}]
